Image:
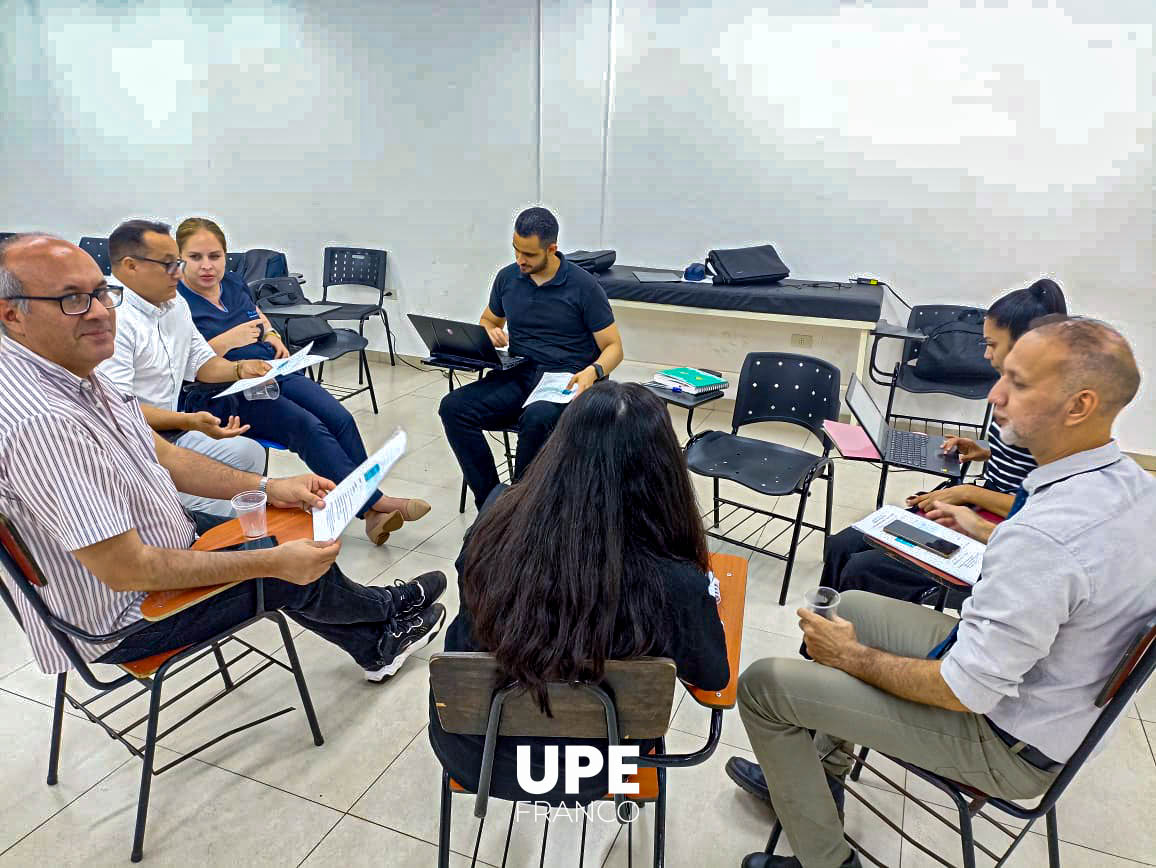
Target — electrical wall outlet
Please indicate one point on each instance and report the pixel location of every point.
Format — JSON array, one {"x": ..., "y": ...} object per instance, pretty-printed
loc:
[{"x": 802, "y": 340}]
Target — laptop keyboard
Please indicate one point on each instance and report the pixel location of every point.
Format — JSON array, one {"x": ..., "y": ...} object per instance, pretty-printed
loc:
[{"x": 907, "y": 447}]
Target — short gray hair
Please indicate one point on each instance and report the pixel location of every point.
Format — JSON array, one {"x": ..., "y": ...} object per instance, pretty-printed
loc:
[
  {"x": 1097, "y": 357},
  {"x": 10, "y": 285}
]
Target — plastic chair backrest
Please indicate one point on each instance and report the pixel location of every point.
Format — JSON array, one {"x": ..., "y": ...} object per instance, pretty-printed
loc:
[
  {"x": 97, "y": 248},
  {"x": 234, "y": 260},
  {"x": 925, "y": 317},
  {"x": 464, "y": 685},
  {"x": 354, "y": 266},
  {"x": 786, "y": 387}
]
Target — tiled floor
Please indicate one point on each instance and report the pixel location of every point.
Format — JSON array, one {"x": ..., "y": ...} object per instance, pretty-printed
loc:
[{"x": 369, "y": 795}]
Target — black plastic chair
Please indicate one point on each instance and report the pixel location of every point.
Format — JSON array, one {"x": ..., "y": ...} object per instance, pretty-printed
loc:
[
  {"x": 234, "y": 261},
  {"x": 509, "y": 464},
  {"x": 148, "y": 674},
  {"x": 357, "y": 266},
  {"x": 333, "y": 343},
  {"x": 773, "y": 387},
  {"x": 97, "y": 248},
  {"x": 1135, "y": 667}
]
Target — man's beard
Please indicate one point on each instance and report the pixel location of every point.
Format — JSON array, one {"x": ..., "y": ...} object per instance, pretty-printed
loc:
[{"x": 1009, "y": 435}]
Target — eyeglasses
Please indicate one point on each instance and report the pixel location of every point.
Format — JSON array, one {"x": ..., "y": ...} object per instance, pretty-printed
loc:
[
  {"x": 172, "y": 266},
  {"x": 79, "y": 303}
]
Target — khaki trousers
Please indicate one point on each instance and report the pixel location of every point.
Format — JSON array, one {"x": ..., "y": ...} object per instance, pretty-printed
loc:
[{"x": 781, "y": 699}]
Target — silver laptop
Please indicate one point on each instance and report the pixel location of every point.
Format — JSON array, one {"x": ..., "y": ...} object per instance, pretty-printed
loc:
[{"x": 909, "y": 449}]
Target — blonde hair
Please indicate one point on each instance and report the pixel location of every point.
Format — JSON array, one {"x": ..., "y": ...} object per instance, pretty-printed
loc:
[{"x": 192, "y": 225}]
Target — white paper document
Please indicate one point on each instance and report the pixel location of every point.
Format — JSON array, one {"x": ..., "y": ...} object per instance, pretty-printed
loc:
[
  {"x": 552, "y": 387},
  {"x": 343, "y": 502},
  {"x": 277, "y": 368},
  {"x": 964, "y": 564}
]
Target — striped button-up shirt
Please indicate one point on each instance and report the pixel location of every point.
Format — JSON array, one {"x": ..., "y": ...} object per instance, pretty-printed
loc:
[{"x": 78, "y": 466}]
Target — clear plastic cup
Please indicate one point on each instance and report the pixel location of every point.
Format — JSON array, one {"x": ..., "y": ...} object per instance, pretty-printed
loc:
[
  {"x": 250, "y": 509},
  {"x": 822, "y": 601},
  {"x": 269, "y": 391}
]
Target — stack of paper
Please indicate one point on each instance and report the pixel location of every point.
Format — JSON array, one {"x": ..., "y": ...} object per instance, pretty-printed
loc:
[{"x": 963, "y": 565}]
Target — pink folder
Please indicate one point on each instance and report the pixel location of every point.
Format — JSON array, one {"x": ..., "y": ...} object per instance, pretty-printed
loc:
[{"x": 851, "y": 440}]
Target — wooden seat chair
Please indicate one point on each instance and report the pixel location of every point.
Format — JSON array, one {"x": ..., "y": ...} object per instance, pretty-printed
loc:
[
  {"x": 149, "y": 674},
  {"x": 633, "y": 702}
]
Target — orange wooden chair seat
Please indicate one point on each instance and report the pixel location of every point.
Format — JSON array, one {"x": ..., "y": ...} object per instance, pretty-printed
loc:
[{"x": 146, "y": 666}]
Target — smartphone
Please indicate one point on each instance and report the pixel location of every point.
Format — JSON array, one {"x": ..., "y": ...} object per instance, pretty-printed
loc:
[
  {"x": 265, "y": 542},
  {"x": 915, "y": 536}
]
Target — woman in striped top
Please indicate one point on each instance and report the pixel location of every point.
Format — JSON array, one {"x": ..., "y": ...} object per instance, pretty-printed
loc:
[{"x": 849, "y": 563}]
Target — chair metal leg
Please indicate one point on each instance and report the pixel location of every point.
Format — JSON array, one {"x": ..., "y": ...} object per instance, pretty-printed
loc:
[
  {"x": 715, "y": 480},
  {"x": 967, "y": 837},
  {"x": 660, "y": 821},
  {"x": 830, "y": 501},
  {"x": 582, "y": 846},
  {"x": 857, "y": 768},
  {"x": 1053, "y": 839},
  {"x": 320, "y": 372},
  {"x": 462, "y": 499},
  {"x": 545, "y": 836},
  {"x": 509, "y": 454},
  {"x": 444, "y": 823},
  {"x": 388, "y": 336},
  {"x": 222, "y": 667},
  {"x": 146, "y": 772},
  {"x": 773, "y": 841},
  {"x": 299, "y": 677},
  {"x": 806, "y": 492},
  {"x": 360, "y": 333},
  {"x": 364, "y": 361},
  {"x": 882, "y": 487},
  {"x": 57, "y": 724}
]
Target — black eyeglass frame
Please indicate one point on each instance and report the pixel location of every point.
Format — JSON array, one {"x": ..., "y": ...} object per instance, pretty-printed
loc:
[
  {"x": 171, "y": 266},
  {"x": 115, "y": 292}
]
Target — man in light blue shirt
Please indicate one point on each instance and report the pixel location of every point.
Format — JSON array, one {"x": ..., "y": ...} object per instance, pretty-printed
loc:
[{"x": 1000, "y": 698}]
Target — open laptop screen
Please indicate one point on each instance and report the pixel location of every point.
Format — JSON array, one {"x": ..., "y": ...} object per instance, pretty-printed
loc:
[{"x": 867, "y": 412}]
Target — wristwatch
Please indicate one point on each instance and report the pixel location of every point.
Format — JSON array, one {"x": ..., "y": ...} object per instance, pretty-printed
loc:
[
  {"x": 263, "y": 484},
  {"x": 601, "y": 374}
]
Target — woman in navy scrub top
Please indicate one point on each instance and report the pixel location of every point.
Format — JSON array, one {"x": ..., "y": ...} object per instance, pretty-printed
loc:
[{"x": 305, "y": 418}]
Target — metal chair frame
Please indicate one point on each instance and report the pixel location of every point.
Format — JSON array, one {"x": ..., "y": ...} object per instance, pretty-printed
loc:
[
  {"x": 329, "y": 279},
  {"x": 659, "y": 760},
  {"x": 823, "y": 469},
  {"x": 64, "y": 632}
]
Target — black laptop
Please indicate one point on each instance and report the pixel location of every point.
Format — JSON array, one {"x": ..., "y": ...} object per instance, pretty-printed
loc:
[
  {"x": 903, "y": 448},
  {"x": 461, "y": 343}
]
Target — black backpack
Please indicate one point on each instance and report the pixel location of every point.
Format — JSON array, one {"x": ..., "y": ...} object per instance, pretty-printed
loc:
[
  {"x": 594, "y": 261},
  {"x": 954, "y": 350}
]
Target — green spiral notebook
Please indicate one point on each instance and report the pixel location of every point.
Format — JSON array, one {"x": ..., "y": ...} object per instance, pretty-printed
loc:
[{"x": 690, "y": 380}]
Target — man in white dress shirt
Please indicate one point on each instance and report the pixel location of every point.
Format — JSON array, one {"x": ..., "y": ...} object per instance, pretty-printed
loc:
[{"x": 158, "y": 349}]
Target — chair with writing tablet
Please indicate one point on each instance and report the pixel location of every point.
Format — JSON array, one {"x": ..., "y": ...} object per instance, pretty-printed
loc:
[
  {"x": 633, "y": 702},
  {"x": 145, "y": 677}
]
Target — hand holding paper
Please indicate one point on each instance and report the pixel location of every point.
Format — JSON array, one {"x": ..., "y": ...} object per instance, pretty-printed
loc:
[{"x": 296, "y": 362}]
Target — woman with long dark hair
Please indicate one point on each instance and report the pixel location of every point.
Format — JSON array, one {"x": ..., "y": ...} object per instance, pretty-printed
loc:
[{"x": 598, "y": 553}]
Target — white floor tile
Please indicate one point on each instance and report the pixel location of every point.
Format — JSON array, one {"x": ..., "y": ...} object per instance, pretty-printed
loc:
[{"x": 356, "y": 843}]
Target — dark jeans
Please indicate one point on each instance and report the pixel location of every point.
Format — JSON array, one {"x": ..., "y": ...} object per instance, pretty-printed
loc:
[
  {"x": 490, "y": 403},
  {"x": 850, "y": 564},
  {"x": 311, "y": 422},
  {"x": 351, "y": 616}
]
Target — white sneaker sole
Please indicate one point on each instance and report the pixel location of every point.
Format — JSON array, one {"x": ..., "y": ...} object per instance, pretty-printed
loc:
[{"x": 379, "y": 675}]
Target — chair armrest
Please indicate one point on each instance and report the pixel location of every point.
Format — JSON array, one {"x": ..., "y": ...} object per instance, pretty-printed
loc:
[
  {"x": 731, "y": 572},
  {"x": 285, "y": 524},
  {"x": 159, "y": 605},
  {"x": 884, "y": 329}
]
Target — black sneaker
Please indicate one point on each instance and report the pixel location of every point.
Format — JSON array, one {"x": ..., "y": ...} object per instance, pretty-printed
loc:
[
  {"x": 750, "y": 778},
  {"x": 403, "y": 636},
  {"x": 418, "y": 593}
]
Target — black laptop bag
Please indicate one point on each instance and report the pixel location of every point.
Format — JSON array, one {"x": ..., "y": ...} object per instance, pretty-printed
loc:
[
  {"x": 747, "y": 265},
  {"x": 594, "y": 261}
]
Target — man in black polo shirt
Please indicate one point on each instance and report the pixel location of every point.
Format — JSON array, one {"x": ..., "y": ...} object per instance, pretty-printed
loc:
[{"x": 560, "y": 320}]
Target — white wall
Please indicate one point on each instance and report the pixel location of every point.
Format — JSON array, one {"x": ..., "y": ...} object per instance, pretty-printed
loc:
[
  {"x": 407, "y": 126},
  {"x": 956, "y": 150}
]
